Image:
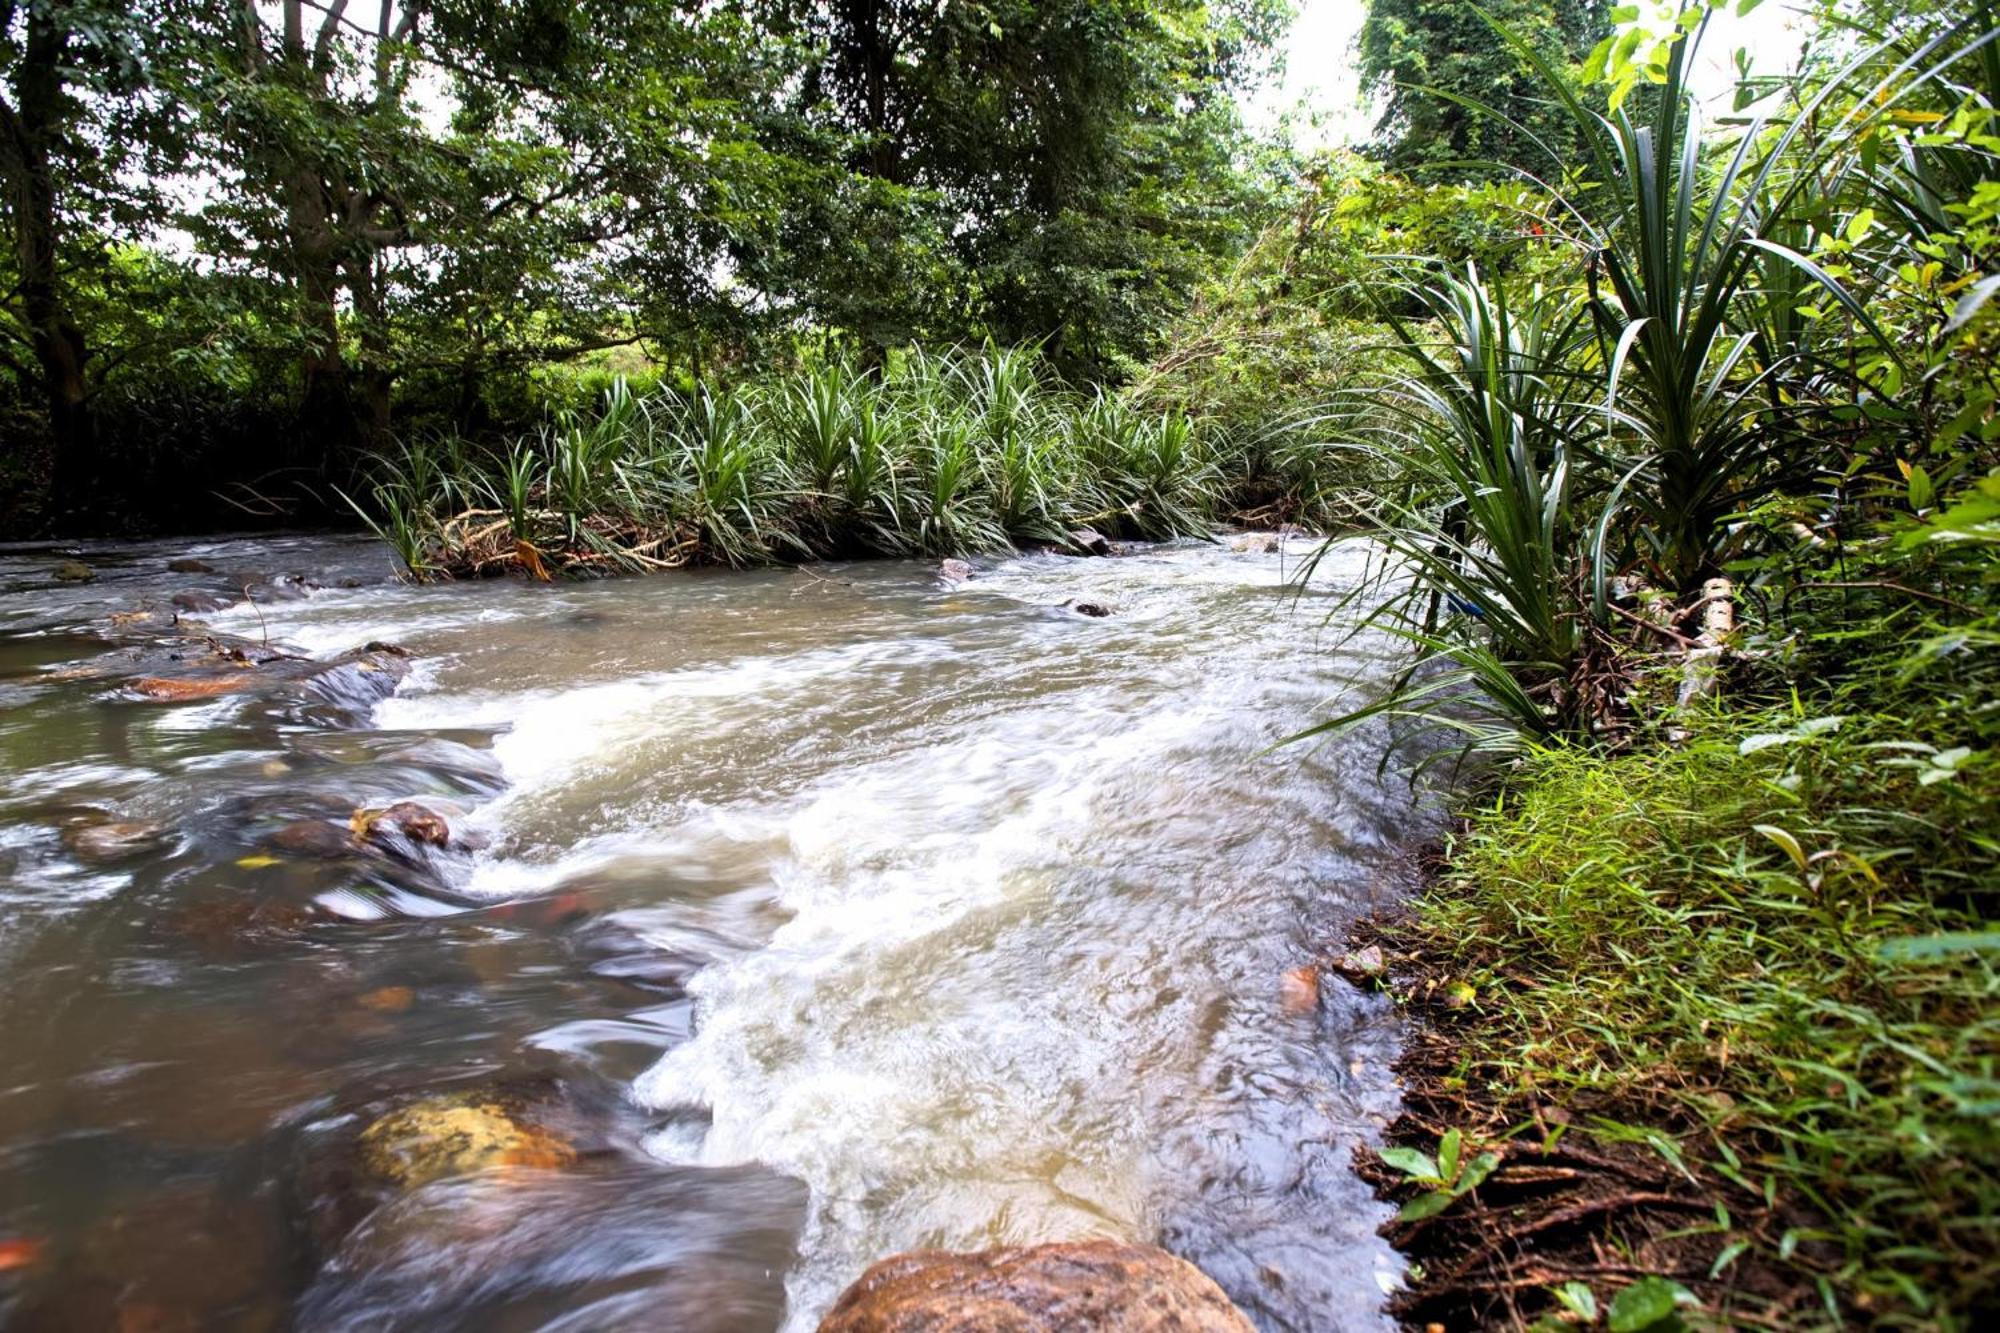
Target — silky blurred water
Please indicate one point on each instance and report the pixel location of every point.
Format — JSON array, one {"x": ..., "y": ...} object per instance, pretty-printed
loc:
[{"x": 863, "y": 911}]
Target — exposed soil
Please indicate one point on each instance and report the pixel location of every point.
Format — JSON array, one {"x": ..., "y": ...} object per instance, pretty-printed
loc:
[{"x": 1599, "y": 1191}]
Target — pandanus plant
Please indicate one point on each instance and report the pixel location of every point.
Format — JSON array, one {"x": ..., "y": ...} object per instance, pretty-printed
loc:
[
  {"x": 1678, "y": 245},
  {"x": 1485, "y": 559}
]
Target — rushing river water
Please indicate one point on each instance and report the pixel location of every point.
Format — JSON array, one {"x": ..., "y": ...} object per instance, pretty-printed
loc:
[{"x": 823, "y": 913}]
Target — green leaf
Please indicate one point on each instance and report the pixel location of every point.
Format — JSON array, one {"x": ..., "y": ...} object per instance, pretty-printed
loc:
[
  {"x": 1411, "y": 1162},
  {"x": 1476, "y": 1172},
  {"x": 1647, "y": 1304},
  {"x": 1425, "y": 1205},
  {"x": 1448, "y": 1149},
  {"x": 1788, "y": 843},
  {"x": 1915, "y": 948},
  {"x": 1579, "y": 1300}
]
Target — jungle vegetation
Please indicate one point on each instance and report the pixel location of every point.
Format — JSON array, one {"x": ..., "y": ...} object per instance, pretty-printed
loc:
[{"x": 1672, "y": 418}]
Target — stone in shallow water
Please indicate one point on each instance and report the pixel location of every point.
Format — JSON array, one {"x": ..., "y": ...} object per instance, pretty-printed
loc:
[
  {"x": 456, "y": 1134},
  {"x": 105, "y": 843},
  {"x": 1102, "y": 1285}
]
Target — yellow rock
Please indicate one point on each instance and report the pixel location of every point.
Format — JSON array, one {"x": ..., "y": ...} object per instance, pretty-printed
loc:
[{"x": 454, "y": 1135}]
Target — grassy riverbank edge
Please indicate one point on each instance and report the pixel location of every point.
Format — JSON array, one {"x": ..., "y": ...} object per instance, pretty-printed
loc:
[{"x": 1702, "y": 1035}]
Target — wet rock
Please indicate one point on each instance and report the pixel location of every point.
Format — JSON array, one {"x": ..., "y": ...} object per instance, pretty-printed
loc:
[
  {"x": 197, "y": 602},
  {"x": 1089, "y": 541},
  {"x": 1094, "y": 610},
  {"x": 284, "y": 588},
  {"x": 405, "y": 819},
  {"x": 1256, "y": 543},
  {"x": 388, "y": 999},
  {"x": 613, "y": 1246},
  {"x": 360, "y": 680},
  {"x": 187, "y": 565},
  {"x": 73, "y": 571},
  {"x": 183, "y": 689},
  {"x": 143, "y": 618},
  {"x": 1361, "y": 966},
  {"x": 313, "y": 837},
  {"x": 112, "y": 841},
  {"x": 457, "y": 1134},
  {"x": 954, "y": 571},
  {"x": 240, "y": 927},
  {"x": 1298, "y": 990},
  {"x": 17, "y": 1252},
  {"x": 1101, "y": 1285},
  {"x": 184, "y": 1258}
]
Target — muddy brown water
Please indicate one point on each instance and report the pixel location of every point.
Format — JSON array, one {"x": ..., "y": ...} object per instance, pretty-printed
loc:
[{"x": 827, "y": 913}]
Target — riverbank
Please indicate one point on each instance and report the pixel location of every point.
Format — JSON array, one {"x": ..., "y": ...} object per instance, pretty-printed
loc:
[{"x": 1720, "y": 1011}]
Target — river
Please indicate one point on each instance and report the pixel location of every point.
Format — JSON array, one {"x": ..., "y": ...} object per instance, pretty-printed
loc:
[{"x": 824, "y": 912}]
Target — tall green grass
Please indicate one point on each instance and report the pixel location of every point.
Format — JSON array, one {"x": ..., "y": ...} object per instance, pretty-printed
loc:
[{"x": 936, "y": 454}]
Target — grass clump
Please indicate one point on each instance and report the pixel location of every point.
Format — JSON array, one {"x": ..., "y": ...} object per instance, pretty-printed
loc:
[
  {"x": 1772, "y": 933},
  {"x": 932, "y": 455}
]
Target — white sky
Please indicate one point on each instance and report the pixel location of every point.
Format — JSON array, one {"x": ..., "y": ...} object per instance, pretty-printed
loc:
[{"x": 1319, "y": 95}]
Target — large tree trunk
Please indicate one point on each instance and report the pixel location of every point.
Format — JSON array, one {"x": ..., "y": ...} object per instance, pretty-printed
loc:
[{"x": 60, "y": 351}]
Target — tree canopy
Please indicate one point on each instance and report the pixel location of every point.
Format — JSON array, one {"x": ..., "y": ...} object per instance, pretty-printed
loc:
[{"x": 315, "y": 223}]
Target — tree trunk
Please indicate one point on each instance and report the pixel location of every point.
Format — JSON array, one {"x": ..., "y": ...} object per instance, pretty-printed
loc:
[{"x": 60, "y": 351}]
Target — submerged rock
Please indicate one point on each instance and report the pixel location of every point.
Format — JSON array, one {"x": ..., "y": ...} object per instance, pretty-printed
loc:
[
  {"x": 954, "y": 571},
  {"x": 1298, "y": 990},
  {"x": 1094, "y": 610},
  {"x": 112, "y": 841},
  {"x": 457, "y": 1134},
  {"x": 315, "y": 838},
  {"x": 187, "y": 565},
  {"x": 1257, "y": 543},
  {"x": 73, "y": 571},
  {"x": 197, "y": 602},
  {"x": 1102, "y": 1285},
  {"x": 181, "y": 689}
]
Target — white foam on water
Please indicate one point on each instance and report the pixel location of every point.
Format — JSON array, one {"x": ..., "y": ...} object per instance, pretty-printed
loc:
[{"x": 918, "y": 1113}]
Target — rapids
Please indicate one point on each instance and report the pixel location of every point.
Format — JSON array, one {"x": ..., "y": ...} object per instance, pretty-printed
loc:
[{"x": 842, "y": 910}]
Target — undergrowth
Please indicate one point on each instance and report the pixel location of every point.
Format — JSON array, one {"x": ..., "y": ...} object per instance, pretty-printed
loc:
[
  {"x": 930, "y": 455},
  {"x": 1772, "y": 928}
]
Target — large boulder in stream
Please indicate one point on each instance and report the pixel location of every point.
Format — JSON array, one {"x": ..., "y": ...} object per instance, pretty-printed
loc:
[{"x": 1100, "y": 1285}]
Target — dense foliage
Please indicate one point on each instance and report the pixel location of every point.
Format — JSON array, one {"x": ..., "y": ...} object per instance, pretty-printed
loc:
[
  {"x": 1691, "y": 514},
  {"x": 1457, "y": 102},
  {"x": 937, "y": 455},
  {"x": 249, "y": 241}
]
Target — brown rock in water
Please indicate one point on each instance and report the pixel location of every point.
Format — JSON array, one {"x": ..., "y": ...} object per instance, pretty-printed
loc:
[
  {"x": 115, "y": 840},
  {"x": 456, "y": 1134},
  {"x": 954, "y": 571},
  {"x": 313, "y": 837},
  {"x": 173, "y": 690},
  {"x": 187, "y": 565},
  {"x": 1100, "y": 1285},
  {"x": 1298, "y": 990},
  {"x": 1363, "y": 965},
  {"x": 1256, "y": 543},
  {"x": 1095, "y": 610},
  {"x": 73, "y": 571},
  {"x": 415, "y": 822}
]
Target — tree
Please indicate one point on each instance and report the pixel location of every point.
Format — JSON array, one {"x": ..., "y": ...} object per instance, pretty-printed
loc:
[
  {"x": 1413, "y": 51},
  {"x": 73, "y": 126},
  {"x": 440, "y": 183},
  {"x": 1057, "y": 171}
]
